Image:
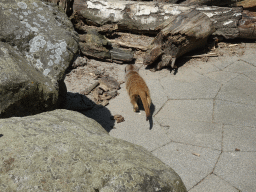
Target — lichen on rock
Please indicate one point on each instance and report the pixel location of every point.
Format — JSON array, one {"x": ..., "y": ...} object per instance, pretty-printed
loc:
[
  {"x": 63, "y": 150},
  {"x": 44, "y": 37}
]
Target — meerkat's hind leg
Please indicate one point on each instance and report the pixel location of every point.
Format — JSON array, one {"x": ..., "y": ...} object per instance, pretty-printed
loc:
[
  {"x": 134, "y": 100},
  {"x": 149, "y": 101}
]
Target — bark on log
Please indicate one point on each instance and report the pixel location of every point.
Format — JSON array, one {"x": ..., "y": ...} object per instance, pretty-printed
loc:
[
  {"x": 247, "y": 25},
  {"x": 247, "y": 4},
  {"x": 210, "y": 2},
  {"x": 144, "y": 17},
  {"x": 225, "y": 20},
  {"x": 179, "y": 35},
  {"x": 135, "y": 17},
  {"x": 119, "y": 54},
  {"x": 95, "y": 45}
]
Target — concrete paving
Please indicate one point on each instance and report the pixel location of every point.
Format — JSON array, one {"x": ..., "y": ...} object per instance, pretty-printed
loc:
[{"x": 204, "y": 122}]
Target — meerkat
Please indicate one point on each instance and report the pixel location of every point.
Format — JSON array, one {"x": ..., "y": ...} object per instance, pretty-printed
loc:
[{"x": 137, "y": 88}]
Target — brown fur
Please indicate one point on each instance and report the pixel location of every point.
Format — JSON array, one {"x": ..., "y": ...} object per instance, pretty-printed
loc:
[{"x": 136, "y": 87}]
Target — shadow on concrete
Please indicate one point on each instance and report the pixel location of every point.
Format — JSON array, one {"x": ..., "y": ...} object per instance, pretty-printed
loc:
[
  {"x": 81, "y": 103},
  {"x": 152, "y": 110}
]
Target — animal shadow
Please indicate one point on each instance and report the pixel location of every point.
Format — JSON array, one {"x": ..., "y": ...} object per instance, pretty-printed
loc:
[
  {"x": 84, "y": 105},
  {"x": 152, "y": 110}
]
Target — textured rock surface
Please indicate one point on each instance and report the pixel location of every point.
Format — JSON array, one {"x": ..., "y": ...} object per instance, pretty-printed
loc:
[
  {"x": 23, "y": 89},
  {"x": 37, "y": 48},
  {"x": 66, "y": 151}
]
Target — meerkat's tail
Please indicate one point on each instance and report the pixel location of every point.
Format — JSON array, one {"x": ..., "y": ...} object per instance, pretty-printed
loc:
[{"x": 144, "y": 98}]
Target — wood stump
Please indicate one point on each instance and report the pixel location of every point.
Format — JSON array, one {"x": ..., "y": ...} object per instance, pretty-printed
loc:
[{"x": 179, "y": 35}]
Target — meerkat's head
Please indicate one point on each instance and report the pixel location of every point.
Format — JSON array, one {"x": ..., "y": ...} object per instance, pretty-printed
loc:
[{"x": 129, "y": 68}]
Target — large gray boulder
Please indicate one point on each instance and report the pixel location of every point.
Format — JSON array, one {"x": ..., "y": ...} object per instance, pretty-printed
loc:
[
  {"x": 37, "y": 44},
  {"x": 63, "y": 151}
]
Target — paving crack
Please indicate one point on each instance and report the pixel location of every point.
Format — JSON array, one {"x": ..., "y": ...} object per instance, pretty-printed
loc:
[
  {"x": 230, "y": 64},
  {"x": 200, "y": 181},
  {"x": 192, "y": 99},
  {"x": 160, "y": 108},
  {"x": 214, "y": 103},
  {"x": 213, "y": 107},
  {"x": 222, "y": 138},
  {"x": 249, "y": 77},
  {"x": 227, "y": 182},
  {"x": 161, "y": 146},
  {"x": 235, "y": 102},
  {"x": 239, "y": 151},
  {"x": 163, "y": 88},
  {"x": 247, "y": 62},
  {"x": 178, "y": 142}
]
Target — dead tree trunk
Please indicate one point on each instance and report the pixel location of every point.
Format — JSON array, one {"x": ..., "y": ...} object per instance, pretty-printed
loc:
[{"x": 145, "y": 17}]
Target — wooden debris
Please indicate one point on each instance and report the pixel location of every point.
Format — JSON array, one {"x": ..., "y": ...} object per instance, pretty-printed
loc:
[
  {"x": 233, "y": 45},
  {"x": 109, "y": 82},
  {"x": 118, "y": 118},
  {"x": 98, "y": 73},
  {"x": 105, "y": 96},
  {"x": 196, "y": 154},
  {"x": 89, "y": 89},
  {"x": 103, "y": 90},
  {"x": 203, "y": 55},
  {"x": 103, "y": 87},
  {"x": 120, "y": 54},
  {"x": 95, "y": 94},
  {"x": 112, "y": 93},
  {"x": 104, "y": 103},
  {"x": 94, "y": 45},
  {"x": 122, "y": 44}
]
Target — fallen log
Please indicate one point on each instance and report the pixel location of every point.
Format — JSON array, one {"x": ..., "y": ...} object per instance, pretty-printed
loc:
[
  {"x": 178, "y": 28},
  {"x": 145, "y": 17},
  {"x": 133, "y": 16}
]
